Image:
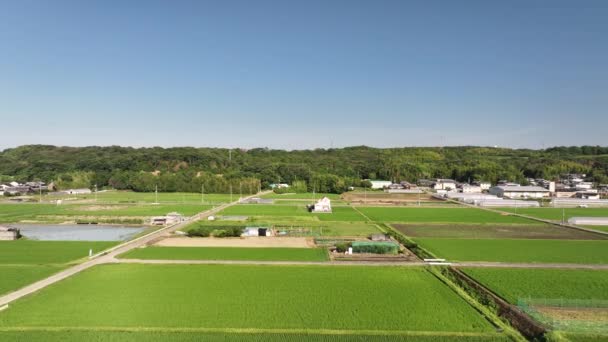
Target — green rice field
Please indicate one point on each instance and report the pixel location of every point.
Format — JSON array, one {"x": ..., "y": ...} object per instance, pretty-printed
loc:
[
  {"x": 555, "y": 214},
  {"x": 182, "y": 336},
  {"x": 519, "y": 250},
  {"x": 302, "y": 196},
  {"x": 515, "y": 283},
  {"x": 48, "y": 252},
  {"x": 495, "y": 231},
  {"x": 228, "y": 253},
  {"x": 18, "y": 212},
  {"x": 439, "y": 215},
  {"x": 15, "y": 277},
  {"x": 226, "y": 298},
  {"x": 262, "y": 211},
  {"x": 148, "y": 197}
]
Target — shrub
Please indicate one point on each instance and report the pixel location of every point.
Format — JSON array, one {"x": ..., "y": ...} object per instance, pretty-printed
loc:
[{"x": 342, "y": 247}]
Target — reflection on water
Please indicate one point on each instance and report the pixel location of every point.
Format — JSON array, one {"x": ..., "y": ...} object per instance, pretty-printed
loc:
[{"x": 82, "y": 232}]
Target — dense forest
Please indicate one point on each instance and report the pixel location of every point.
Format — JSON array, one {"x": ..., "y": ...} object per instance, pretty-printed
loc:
[{"x": 324, "y": 170}]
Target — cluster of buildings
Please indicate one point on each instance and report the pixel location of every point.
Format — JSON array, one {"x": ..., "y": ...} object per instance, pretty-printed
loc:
[{"x": 16, "y": 188}]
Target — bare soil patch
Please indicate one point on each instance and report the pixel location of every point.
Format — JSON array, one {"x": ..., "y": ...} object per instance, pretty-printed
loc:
[
  {"x": 578, "y": 314},
  {"x": 382, "y": 198},
  {"x": 512, "y": 231},
  {"x": 262, "y": 242}
]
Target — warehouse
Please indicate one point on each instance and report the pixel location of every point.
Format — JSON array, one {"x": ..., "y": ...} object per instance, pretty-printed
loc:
[
  {"x": 589, "y": 221},
  {"x": 519, "y": 191}
]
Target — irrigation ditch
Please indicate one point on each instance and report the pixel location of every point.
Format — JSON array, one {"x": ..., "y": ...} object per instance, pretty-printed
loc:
[{"x": 507, "y": 317}]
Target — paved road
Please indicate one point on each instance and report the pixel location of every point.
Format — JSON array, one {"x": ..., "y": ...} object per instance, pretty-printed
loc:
[{"x": 109, "y": 255}]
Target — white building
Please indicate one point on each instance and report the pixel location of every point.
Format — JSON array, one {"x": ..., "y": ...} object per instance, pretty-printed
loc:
[
  {"x": 76, "y": 191},
  {"x": 485, "y": 186},
  {"x": 8, "y": 233},
  {"x": 519, "y": 191},
  {"x": 323, "y": 206},
  {"x": 256, "y": 231},
  {"x": 380, "y": 184},
  {"x": 471, "y": 189},
  {"x": 444, "y": 184},
  {"x": 169, "y": 219},
  {"x": 589, "y": 221}
]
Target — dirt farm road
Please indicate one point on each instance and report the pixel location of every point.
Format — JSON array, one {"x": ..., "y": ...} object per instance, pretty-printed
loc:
[{"x": 109, "y": 255}]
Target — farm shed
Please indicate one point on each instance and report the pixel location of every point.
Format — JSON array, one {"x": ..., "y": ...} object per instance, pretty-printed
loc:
[
  {"x": 589, "y": 221},
  {"x": 375, "y": 247},
  {"x": 256, "y": 231},
  {"x": 8, "y": 233}
]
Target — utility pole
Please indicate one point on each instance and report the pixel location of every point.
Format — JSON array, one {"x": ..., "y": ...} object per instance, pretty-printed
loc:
[
  {"x": 156, "y": 194},
  {"x": 202, "y": 193},
  {"x": 240, "y": 190},
  {"x": 40, "y": 192},
  {"x": 95, "y": 192},
  {"x": 563, "y": 215}
]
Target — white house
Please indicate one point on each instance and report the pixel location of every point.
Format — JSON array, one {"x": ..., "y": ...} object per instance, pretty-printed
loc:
[
  {"x": 380, "y": 184},
  {"x": 485, "y": 186},
  {"x": 519, "y": 191},
  {"x": 323, "y": 206},
  {"x": 471, "y": 189},
  {"x": 444, "y": 184}
]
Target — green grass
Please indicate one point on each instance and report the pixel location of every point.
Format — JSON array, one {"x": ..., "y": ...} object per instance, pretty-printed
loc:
[
  {"x": 439, "y": 215},
  {"x": 310, "y": 298},
  {"x": 513, "y": 284},
  {"x": 228, "y": 253},
  {"x": 262, "y": 211},
  {"x": 48, "y": 252},
  {"x": 17, "y": 212},
  {"x": 555, "y": 214},
  {"x": 15, "y": 277},
  {"x": 518, "y": 250},
  {"x": 304, "y": 196},
  {"x": 185, "y": 336}
]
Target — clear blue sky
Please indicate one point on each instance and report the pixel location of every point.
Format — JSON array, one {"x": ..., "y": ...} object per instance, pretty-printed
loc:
[{"x": 304, "y": 74}]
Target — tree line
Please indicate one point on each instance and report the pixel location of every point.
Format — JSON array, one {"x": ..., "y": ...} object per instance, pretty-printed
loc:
[{"x": 323, "y": 170}]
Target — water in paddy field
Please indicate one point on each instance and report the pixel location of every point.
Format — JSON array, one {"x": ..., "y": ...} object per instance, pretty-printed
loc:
[{"x": 77, "y": 232}]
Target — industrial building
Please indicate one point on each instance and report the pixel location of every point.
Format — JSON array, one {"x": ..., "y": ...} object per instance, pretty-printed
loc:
[{"x": 519, "y": 191}]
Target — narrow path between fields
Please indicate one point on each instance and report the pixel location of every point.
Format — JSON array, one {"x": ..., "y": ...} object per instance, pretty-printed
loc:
[{"x": 108, "y": 256}]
